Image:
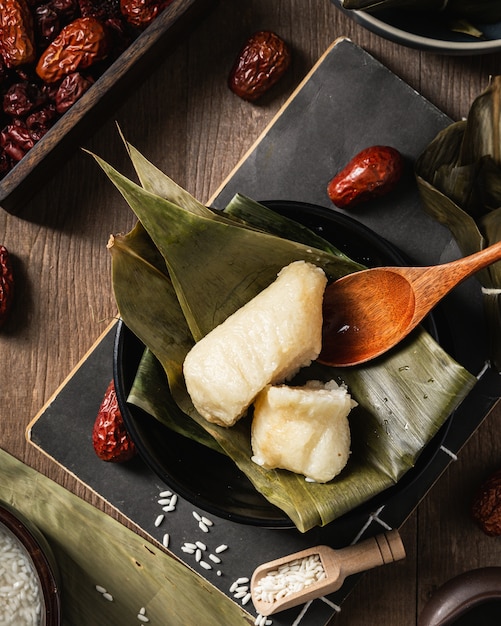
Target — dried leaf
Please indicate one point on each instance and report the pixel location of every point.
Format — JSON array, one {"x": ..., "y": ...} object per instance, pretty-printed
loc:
[{"x": 459, "y": 179}]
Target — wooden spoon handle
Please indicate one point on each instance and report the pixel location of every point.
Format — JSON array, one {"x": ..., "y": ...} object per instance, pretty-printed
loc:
[
  {"x": 373, "y": 552},
  {"x": 469, "y": 265},
  {"x": 455, "y": 272},
  {"x": 436, "y": 281}
]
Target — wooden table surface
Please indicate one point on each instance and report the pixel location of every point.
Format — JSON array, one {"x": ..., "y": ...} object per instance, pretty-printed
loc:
[{"x": 185, "y": 120}]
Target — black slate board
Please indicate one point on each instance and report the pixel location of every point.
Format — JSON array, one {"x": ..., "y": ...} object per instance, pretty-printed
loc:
[{"x": 347, "y": 102}]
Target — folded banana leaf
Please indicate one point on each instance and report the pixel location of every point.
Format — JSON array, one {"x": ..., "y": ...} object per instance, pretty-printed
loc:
[
  {"x": 480, "y": 10},
  {"x": 459, "y": 179},
  {"x": 208, "y": 296},
  {"x": 403, "y": 398}
]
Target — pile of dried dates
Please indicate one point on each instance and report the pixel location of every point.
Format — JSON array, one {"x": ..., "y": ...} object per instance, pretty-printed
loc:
[{"x": 51, "y": 52}]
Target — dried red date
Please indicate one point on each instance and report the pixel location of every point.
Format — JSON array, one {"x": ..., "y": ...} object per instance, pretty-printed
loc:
[
  {"x": 101, "y": 9},
  {"x": 110, "y": 439},
  {"x": 371, "y": 173},
  {"x": 6, "y": 285},
  {"x": 70, "y": 90},
  {"x": 79, "y": 45},
  {"x": 16, "y": 140},
  {"x": 141, "y": 13},
  {"x": 261, "y": 63},
  {"x": 3, "y": 70},
  {"x": 486, "y": 505},
  {"x": 17, "y": 46},
  {"x": 6, "y": 163},
  {"x": 47, "y": 22},
  {"x": 39, "y": 122},
  {"x": 22, "y": 98},
  {"x": 66, "y": 8}
]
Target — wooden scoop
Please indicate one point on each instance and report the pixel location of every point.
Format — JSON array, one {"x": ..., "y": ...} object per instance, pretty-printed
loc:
[
  {"x": 368, "y": 312},
  {"x": 333, "y": 565}
]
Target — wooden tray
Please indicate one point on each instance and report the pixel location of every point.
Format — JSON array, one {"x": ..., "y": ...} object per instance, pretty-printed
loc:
[
  {"x": 93, "y": 108},
  {"x": 329, "y": 117}
]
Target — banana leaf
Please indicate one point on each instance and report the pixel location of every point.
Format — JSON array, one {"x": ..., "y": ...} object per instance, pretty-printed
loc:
[
  {"x": 459, "y": 179},
  {"x": 193, "y": 245},
  {"x": 139, "y": 268},
  {"x": 91, "y": 548},
  {"x": 403, "y": 398},
  {"x": 480, "y": 10},
  {"x": 387, "y": 439},
  {"x": 256, "y": 214}
]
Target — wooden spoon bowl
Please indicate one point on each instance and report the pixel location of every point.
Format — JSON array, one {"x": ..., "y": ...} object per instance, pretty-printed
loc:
[
  {"x": 368, "y": 312},
  {"x": 332, "y": 566}
]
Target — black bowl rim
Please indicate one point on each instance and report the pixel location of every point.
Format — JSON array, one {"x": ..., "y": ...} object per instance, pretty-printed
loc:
[{"x": 386, "y": 30}]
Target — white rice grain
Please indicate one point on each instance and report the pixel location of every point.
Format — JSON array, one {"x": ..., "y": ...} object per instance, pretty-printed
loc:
[
  {"x": 290, "y": 578},
  {"x": 159, "y": 520},
  {"x": 20, "y": 596}
]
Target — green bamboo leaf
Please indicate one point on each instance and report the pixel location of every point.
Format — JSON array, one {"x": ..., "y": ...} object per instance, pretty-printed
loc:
[
  {"x": 447, "y": 212},
  {"x": 389, "y": 428},
  {"x": 482, "y": 135},
  {"x": 92, "y": 548},
  {"x": 465, "y": 27},
  {"x": 403, "y": 401},
  {"x": 157, "y": 182},
  {"x": 138, "y": 268},
  {"x": 215, "y": 266},
  {"x": 257, "y": 215},
  {"x": 459, "y": 180}
]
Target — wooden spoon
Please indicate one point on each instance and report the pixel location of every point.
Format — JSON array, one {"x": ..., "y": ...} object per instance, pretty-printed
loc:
[
  {"x": 368, "y": 312},
  {"x": 334, "y": 565}
]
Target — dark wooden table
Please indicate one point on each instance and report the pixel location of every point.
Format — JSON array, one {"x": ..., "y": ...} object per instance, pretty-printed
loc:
[{"x": 186, "y": 121}]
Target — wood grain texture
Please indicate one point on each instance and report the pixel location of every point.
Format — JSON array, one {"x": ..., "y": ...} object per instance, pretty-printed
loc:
[{"x": 186, "y": 120}]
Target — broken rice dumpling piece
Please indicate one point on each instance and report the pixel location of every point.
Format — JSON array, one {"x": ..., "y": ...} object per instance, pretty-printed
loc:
[
  {"x": 303, "y": 429},
  {"x": 264, "y": 342}
]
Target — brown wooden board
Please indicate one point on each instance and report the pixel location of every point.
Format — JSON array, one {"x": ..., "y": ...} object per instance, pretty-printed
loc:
[{"x": 348, "y": 101}]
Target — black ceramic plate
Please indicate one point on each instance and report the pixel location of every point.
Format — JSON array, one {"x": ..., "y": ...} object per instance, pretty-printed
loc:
[
  {"x": 426, "y": 31},
  {"x": 207, "y": 479}
]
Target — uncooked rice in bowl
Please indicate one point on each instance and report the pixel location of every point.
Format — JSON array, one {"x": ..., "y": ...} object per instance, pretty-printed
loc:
[{"x": 20, "y": 593}]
